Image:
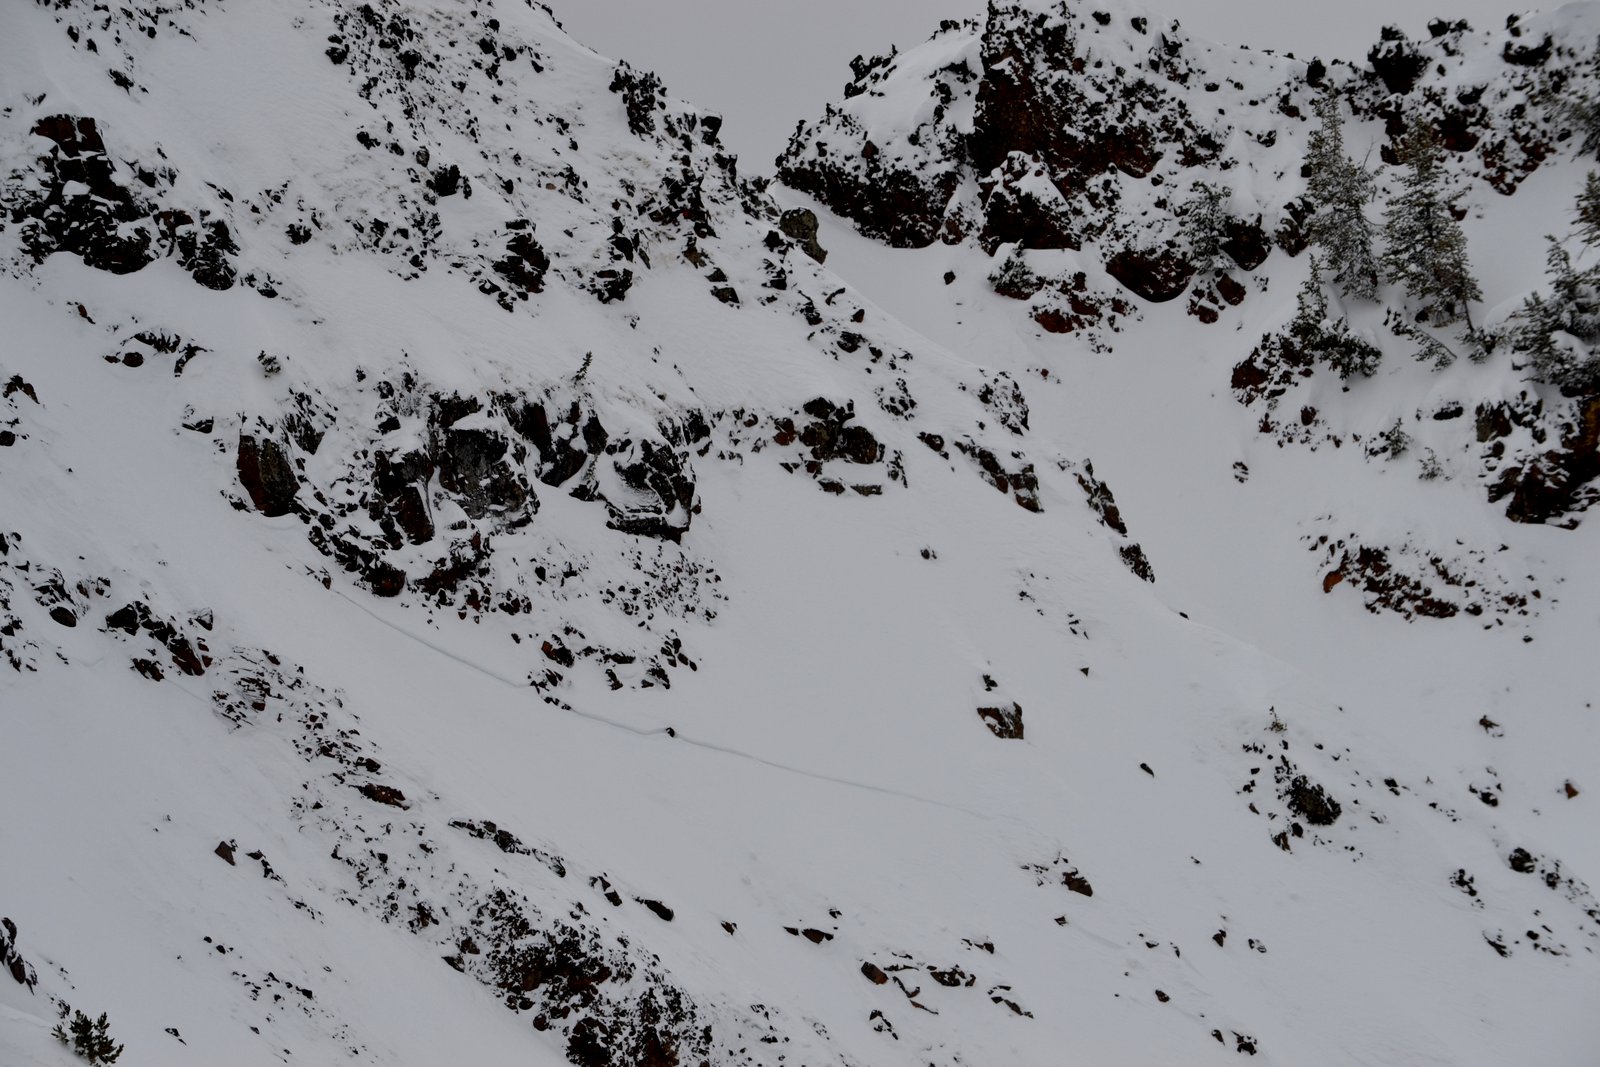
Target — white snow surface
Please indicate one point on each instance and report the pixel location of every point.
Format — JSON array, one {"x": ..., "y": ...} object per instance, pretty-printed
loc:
[{"x": 820, "y": 767}]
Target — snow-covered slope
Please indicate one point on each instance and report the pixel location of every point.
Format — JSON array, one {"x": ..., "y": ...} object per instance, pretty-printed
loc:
[{"x": 474, "y": 588}]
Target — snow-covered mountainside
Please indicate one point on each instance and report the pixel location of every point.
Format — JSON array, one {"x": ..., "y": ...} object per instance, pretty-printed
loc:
[
  {"x": 1068, "y": 141},
  {"x": 475, "y": 587}
]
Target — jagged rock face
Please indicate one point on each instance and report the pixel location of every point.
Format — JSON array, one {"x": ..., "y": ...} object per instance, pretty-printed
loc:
[
  {"x": 1543, "y": 485},
  {"x": 1157, "y": 277},
  {"x": 473, "y": 464},
  {"x": 266, "y": 474},
  {"x": 1057, "y": 126},
  {"x": 11, "y": 959},
  {"x": 1044, "y": 118},
  {"x": 1039, "y": 100},
  {"x": 801, "y": 224},
  {"x": 80, "y": 201}
]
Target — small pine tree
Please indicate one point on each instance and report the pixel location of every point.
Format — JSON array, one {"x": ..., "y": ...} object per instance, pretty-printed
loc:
[
  {"x": 1204, "y": 224},
  {"x": 1584, "y": 113},
  {"x": 1311, "y": 302},
  {"x": 1013, "y": 278},
  {"x": 89, "y": 1038},
  {"x": 1327, "y": 338},
  {"x": 1589, "y": 211},
  {"x": 1559, "y": 335},
  {"x": 1340, "y": 189},
  {"x": 1425, "y": 248},
  {"x": 1432, "y": 350},
  {"x": 1396, "y": 442}
]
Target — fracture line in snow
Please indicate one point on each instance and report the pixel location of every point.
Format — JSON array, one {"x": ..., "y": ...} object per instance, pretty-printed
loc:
[{"x": 664, "y": 731}]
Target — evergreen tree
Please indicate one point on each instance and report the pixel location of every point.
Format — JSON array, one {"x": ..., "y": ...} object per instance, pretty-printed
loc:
[
  {"x": 1589, "y": 211},
  {"x": 1311, "y": 303},
  {"x": 89, "y": 1038},
  {"x": 1328, "y": 339},
  {"x": 1340, "y": 189},
  {"x": 1204, "y": 225},
  {"x": 1584, "y": 113},
  {"x": 1425, "y": 248},
  {"x": 1013, "y": 278},
  {"x": 1429, "y": 348},
  {"x": 1560, "y": 334}
]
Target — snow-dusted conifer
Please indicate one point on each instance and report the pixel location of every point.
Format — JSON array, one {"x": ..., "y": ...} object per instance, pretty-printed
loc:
[
  {"x": 1341, "y": 189},
  {"x": 1326, "y": 338},
  {"x": 1311, "y": 302},
  {"x": 1589, "y": 211},
  {"x": 1560, "y": 333},
  {"x": 1204, "y": 224},
  {"x": 1425, "y": 249},
  {"x": 89, "y": 1038},
  {"x": 1584, "y": 113}
]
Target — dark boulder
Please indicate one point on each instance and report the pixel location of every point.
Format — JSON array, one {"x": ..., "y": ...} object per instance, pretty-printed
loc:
[
  {"x": 662, "y": 491},
  {"x": 204, "y": 249},
  {"x": 829, "y": 437},
  {"x": 399, "y": 481},
  {"x": 472, "y": 468},
  {"x": 525, "y": 263},
  {"x": 1246, "y": 244},
  {"x": 1158, "y": 276},
  {"x": 611, "y": 283},
  {"x": 384, "y": 794},
  {"x": 83, "y": 209},
  {"x": 1522, "y": 55},
  {"x": 446, "y": 181},
  {"x": 1005, "y": 722},
  {"x": 267, "y": 475},
  {"x": 1396, "y": 61},
  {"x": 1014, "y": 212},
  {"x": 1312, "y": 802},
  {"x": 801, "y": 224}
]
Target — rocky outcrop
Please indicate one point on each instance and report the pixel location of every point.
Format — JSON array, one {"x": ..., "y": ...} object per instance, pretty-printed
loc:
[
  {"x": 647, "y": 484},
  {"x": 893, "y": 206},
  {"x": 1034, "y": 136},
  {"x": 1004, "y": 722},
  {"x": 477, "y": 465},
  {"x": 190, "y": 656},
  {"x": 1016, "y": 477},
  {"x": 85, "y": 206},
  {"x": 11, "y": 959},
  {"x": 800, "y": 224},
  {"x": 1058, "y": 127},
  {"x": 837, "y": 452},
  {"x": 1413, "y": 581},
  {"x": 1551, "y": 485},
  {"x": 267, "y": 475},
  {"x": 659, "y": 497},
  {"x": 81, "y": 199},
  {"x": 1104, "y": 504},
  {"x": 1156, "y": 276}
]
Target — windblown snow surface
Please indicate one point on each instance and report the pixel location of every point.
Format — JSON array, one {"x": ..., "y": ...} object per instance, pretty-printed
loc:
[{"x": 473, "y": 589}]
